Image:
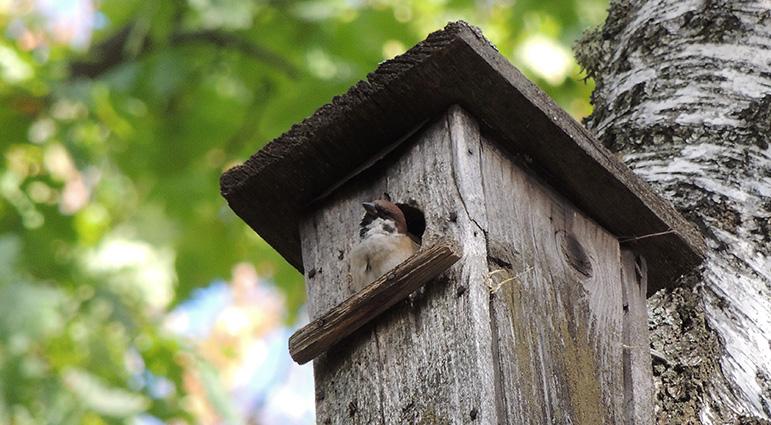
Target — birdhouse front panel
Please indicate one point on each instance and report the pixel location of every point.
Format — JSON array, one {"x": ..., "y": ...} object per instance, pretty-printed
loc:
[
  {"x": 430, "y": 356},
  {"x": 526, "y": 326}
]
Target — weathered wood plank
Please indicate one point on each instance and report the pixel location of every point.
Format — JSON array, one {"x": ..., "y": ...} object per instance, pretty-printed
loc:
[
  {"x": 272, "y": 189},
  {"x": 377, "y": 297},
  {"x": 638, "y": 375},
  {"x": 556, "y": 305},
  {"x": 430, "y": 360},
  {"x": 438, "y": 355},
  {"x": 347, "y": 387}
]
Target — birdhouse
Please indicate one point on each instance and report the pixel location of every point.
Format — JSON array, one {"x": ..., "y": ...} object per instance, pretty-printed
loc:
[{"x": 537, "y": 248}]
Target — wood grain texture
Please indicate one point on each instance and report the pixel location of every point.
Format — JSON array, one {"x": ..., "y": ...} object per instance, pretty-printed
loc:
[
  {"x": 377, "y": 297},
  {"x": 638, "y": 375},
  {"x": 428, "y": 360},
  {"x": 557, "y": 318},
  {"x": 272, "y": 190},
  {"x": 527, "y": 327}
]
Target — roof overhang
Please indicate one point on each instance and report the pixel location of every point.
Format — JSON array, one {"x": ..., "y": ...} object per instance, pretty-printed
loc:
[{"x": 457, "y": 65}]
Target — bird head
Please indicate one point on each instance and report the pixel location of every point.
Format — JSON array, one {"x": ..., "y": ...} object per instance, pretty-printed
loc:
[{"x": 382, "y": 216}]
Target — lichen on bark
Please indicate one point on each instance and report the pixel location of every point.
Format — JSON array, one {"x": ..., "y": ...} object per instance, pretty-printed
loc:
[{"x": 683, "y": 93}]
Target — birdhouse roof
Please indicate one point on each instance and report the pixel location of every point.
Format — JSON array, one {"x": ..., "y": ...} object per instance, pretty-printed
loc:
[{"x": 273, "y": 189}]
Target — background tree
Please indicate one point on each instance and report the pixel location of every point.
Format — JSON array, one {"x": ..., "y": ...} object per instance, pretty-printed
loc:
[
  {"x": 684, "y": 95},
  {"x": 116, "y": 119}
]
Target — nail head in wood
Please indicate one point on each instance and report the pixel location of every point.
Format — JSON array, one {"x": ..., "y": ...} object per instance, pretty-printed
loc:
[{"x": 377, "y": 297}]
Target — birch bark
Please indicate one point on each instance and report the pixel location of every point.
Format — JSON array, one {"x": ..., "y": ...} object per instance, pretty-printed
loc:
[{"x": 684, "y": 96}]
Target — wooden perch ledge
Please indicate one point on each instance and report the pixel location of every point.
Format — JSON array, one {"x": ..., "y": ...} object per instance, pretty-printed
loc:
[{"x": 377, "y": 297}]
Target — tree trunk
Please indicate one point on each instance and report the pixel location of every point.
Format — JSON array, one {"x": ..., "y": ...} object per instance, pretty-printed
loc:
[{"x": 684, "y": 95}]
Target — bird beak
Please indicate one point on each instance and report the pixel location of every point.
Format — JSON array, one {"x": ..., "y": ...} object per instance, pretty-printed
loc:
[{"x": 370, "y": 207}]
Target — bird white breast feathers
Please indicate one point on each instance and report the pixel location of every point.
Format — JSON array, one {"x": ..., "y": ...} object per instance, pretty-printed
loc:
[{"x": 383, "y": 244}]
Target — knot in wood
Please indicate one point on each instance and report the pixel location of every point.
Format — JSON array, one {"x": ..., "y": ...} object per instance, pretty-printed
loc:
[{"x": 575, "y": 253}]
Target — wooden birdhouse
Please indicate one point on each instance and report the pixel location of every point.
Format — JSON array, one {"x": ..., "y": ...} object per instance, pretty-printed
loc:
[{"x": 537, "y": 245}]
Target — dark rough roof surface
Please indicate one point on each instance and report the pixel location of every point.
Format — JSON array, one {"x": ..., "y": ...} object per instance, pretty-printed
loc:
[{"x": 456, "y": 65}]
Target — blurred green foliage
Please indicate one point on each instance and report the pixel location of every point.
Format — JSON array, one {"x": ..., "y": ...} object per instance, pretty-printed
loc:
[{"x": 109, "y": 204}]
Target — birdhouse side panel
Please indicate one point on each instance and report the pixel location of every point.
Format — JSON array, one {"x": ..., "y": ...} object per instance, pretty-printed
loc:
[
  {"x": 556, "y": 301},
  {"x": 427, "y": 359}
]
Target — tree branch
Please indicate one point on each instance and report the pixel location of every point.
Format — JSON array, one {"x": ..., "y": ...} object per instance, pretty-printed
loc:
[
  {"x": 111, "y": 52},
  {"x": 230, "y": 41}
]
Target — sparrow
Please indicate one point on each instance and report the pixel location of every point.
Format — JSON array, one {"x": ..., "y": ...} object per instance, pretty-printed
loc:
[{"x": 384, "y": 242}]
